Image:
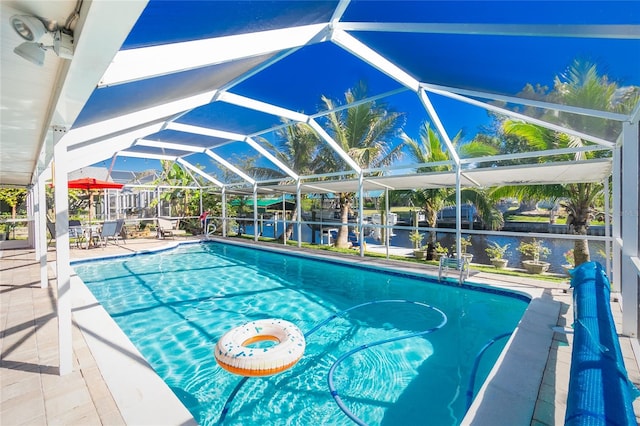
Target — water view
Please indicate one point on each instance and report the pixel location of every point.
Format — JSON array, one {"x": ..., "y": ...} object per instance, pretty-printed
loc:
[{"x": 478, "y": 244}]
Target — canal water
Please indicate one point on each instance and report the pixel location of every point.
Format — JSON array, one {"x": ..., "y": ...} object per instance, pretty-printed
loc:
[{"x": 478, "y": 244}]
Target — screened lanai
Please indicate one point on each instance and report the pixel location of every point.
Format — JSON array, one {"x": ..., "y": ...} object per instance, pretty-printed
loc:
[{"x": 208, "y": 84}]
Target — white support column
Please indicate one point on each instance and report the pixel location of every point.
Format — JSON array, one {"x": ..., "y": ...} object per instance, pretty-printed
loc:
[
  {"x": 607, "y": 226},
  {"x": 616, "y": 226},
  {"x": 118, "y": 204},
  {"x": 224, "y": 211},
  {"x": 255, "y": 212},
  {"x": 159, "y": 201},
  {"x": 106, "y": 208},
  {"x": 299, "y": 213},
  {"x": 630, "y": 215},
  {"x": 32, "y": 238},
  {"x": 458, "y": 214},
  {"x": 41, "y": 224},
  {"x": 284, "y": 220},
  {"x": 387, "y": 231},
  {"x": 63, "y": 269},
  {"x": 361, "y": 211}
]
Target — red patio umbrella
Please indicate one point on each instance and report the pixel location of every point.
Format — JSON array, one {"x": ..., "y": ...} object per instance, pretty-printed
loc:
[{"x": 89, "y": 184}]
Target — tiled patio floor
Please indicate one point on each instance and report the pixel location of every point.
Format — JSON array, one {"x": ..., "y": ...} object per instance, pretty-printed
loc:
[{"x": 32, "y": 392}]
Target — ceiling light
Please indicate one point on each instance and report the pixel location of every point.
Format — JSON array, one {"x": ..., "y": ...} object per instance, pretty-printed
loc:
[
  {"x": 28, "y": 27},
  {"x": 32, "y": 52},
  {"x": 33, "y": 29}
]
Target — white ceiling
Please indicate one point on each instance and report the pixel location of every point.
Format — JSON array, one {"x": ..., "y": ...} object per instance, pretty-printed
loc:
[
  {"x": 27, "y": 91},
  {"x": 38, "y": 99}
]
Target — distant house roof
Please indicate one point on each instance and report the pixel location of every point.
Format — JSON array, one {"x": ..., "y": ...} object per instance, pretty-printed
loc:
[{"x": 266, "y": 204}]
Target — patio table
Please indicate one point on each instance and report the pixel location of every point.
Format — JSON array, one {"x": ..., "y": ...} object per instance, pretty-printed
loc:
[{"x": 89, "y": 232}]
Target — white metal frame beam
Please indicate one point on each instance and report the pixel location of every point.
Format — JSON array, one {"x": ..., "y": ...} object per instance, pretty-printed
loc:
[
  {"x": 146, "y": 62},
  {"x": 466, "y": 93},
  {"x": 333, "y": 144},
  {"x": 373, "y": 58},
  {"x": 230, "y": 166},
  {"x": 519, "y": 116},
  {"x": 147, "y": 116},
  {"x": 625, "y": 32},
  {"x": 200, "y": 172},
  {"x": 187, "y": 128},
  {"x": 93, "y": 151}
]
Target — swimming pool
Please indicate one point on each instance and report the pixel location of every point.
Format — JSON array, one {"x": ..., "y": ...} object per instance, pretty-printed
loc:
[{"x": 175, "y": 305}]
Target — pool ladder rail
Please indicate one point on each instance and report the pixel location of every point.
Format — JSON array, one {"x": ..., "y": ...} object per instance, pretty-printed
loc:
[
  {"x": 209, "y": 228},
  {"x": 459, "y": 264}
]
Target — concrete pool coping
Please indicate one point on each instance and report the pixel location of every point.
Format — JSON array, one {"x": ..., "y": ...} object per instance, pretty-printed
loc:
[{"x": 508, "y": 396}]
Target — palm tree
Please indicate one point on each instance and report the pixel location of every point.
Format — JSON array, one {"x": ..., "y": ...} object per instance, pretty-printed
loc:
[
  {"x": 579, "y": 199},
  {"x": 429, "y": 149},
  {"x": 298, "y": 149},
  {"x": 178, "y": 196},
  {"x": 366, "y": 132},
  {"x": 581, "y": 85}
]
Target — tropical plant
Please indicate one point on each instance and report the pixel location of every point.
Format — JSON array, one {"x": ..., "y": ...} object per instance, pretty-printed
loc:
[
  {"x": 416, "y": 238},
  {"x": 496, "y": 251},
  {"x": 178, "y": 195},
  {"x": 465, "y": 243},
  {"x": 366, "y": 132},
  {"x": 440, "y": 249},
  {"x": 535, "y": 249},
  {"x": 299, "y": 150},
  {"x": 296, "y": 147},
  {"x": 429, "y": 149},
  {"x": 583, "y": 86},
  {"x": 13, "y": 197},
  {"x": 569, "y": 258}
]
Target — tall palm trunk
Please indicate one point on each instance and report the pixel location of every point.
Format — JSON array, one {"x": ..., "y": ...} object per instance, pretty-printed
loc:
[
  {"x": 342, "y": 241},
  {"x": 581, "y": 247},
  {"x": 431, "y": 217},
  {"x": 286, "y": 235}
]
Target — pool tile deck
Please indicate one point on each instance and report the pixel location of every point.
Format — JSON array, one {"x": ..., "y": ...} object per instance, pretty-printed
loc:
[{"x": 33, "y": 393}]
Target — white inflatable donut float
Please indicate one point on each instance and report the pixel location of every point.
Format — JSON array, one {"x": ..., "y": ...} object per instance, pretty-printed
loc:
[{"x": 234, "y": 354}]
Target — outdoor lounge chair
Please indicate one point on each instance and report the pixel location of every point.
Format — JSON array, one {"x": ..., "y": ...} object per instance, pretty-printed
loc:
[{"x": 168, "y": 227}]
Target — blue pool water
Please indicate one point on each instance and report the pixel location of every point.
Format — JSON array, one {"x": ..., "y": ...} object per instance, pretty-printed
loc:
[{"x": 174, "y": 305}]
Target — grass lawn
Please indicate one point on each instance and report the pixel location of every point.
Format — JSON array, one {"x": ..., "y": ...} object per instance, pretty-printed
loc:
[{"x": 479, "y": 267}]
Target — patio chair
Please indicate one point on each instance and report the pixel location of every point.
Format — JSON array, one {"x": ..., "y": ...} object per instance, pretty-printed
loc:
[
  {"x": 110, "y": 229},
  {"x": 51, "y": 227},
  {"x": 76, "y": 232}
]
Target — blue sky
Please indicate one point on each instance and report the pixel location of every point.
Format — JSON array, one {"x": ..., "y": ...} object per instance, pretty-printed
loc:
[{"x": 497, "y": 64}]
